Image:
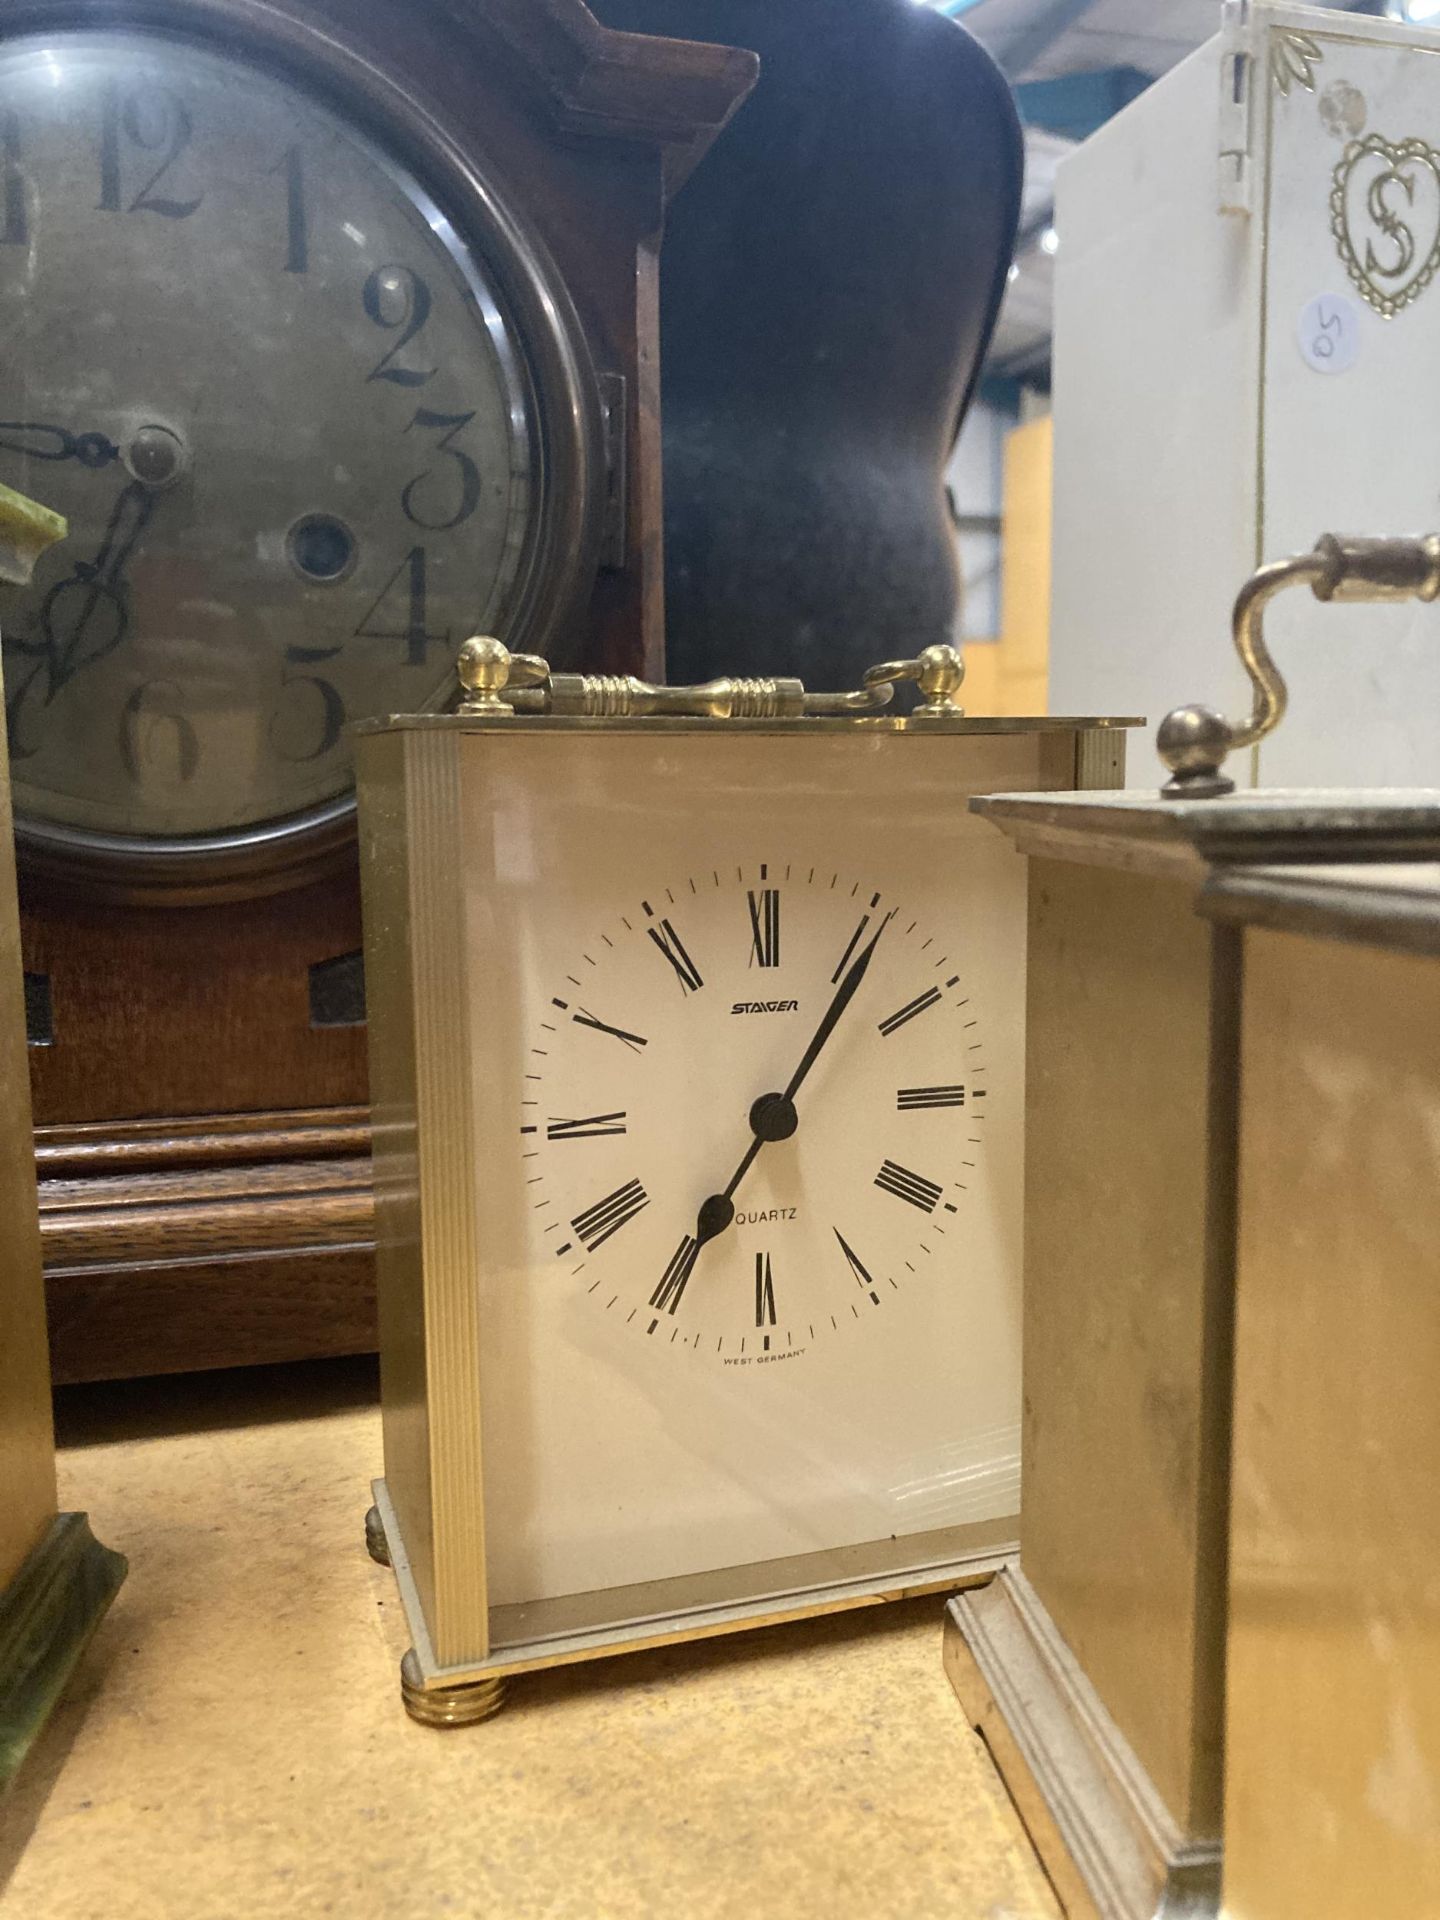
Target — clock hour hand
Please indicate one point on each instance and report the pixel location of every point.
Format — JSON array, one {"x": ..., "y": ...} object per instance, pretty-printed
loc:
[
  {"x": 41, "y": 442},
  {"x": 718, "y": 1210},
  {"x": 773, "y": 1115}
]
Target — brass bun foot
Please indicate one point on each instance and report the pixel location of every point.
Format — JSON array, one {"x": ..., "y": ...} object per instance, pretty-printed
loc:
[
  {"x": 376, "y": 1545},
  {"x": 448, "y": 1706}
]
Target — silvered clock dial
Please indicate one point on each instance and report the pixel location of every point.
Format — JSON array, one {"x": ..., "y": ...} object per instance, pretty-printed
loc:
[
  {"x": 754, "y": 1108},
  {"x": 299, "y": 386}
]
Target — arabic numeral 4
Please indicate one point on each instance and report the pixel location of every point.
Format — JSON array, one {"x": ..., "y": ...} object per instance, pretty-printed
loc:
[{"x": 399, "y": 610}]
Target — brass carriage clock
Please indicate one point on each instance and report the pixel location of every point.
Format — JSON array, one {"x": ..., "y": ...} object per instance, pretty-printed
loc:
[
  {"x": 1228, "y": 1187},
  {"x": 698, "y": 1105},
  {"x": 331, "y": 328}
]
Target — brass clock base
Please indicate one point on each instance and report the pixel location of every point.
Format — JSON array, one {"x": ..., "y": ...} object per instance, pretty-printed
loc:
[
  {"x": 1110, "y": 1846},
  {"x": 460, "y": 1706}
]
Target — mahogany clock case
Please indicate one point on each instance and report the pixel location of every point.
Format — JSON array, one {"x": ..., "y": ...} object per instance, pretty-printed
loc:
[
  {"x": 196, "y": 1013},
  {"x": 830, "y": 284}
]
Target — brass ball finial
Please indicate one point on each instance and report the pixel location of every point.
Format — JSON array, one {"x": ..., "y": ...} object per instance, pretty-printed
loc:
[
  {"x": 1193, "y": 742},
  {"x": 942, "y": 670},
  {"x": 483, "y": 665}
]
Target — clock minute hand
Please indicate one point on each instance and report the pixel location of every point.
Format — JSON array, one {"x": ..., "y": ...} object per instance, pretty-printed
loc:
[
  {"x": 844, "y": 994},
  {"x": 87, "y": 614}
]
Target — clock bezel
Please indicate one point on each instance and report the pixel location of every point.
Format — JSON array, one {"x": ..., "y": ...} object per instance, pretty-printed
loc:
[{"x": 562, "y": 389}]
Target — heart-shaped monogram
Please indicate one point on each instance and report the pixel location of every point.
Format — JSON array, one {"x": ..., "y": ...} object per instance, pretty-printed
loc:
[{"x": 1385, "y": 216}]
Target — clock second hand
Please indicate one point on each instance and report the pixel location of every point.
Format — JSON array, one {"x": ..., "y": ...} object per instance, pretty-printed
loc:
[{"x": 773, "y": 1115}]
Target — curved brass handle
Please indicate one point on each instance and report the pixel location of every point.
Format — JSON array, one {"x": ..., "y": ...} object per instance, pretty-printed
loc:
[
  {"x": 497, "y": 682},
  {"x": 1193, "y": 741}
]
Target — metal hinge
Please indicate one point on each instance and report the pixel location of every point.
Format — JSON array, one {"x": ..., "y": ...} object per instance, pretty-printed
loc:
[
  {"x": 615, "y": 414},
  {"x": 1237, "y": 92}
]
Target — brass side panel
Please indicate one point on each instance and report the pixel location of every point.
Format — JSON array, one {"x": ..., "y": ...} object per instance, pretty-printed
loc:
[
  {"x": 400, "y": 1296},
  {"x": 424, "y": 1203},
  {"x": 1129, "y": 1165},
  {"x": 27, "y": 1449},
  {"x": 1333, "y": 1787},
  {"x": 1111, "y": 1849}
]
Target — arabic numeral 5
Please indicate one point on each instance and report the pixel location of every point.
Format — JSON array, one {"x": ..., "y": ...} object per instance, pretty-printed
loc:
[{"x": 308, "y": 720}]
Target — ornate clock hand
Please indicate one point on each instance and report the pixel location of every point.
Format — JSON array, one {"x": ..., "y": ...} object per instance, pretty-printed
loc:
[
  {"x": 44, "y": 442},
  {"x": 773, "y": 1115},
  {"x": 97, "y": 580},
  {"x": 72, "y": 632}
]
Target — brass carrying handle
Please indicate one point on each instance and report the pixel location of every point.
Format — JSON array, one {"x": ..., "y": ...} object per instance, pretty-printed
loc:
[
  {"x": 497, "y": 682},
  {"x": 1193, "y": 741}
]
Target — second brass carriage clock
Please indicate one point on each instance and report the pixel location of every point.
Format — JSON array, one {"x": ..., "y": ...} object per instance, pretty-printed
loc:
[
  {"x": 331, "y": 329},
  {"x": 698, "y": 1114}
]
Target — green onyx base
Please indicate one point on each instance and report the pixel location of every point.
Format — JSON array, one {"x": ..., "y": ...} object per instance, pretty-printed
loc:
[{"x": 47, "y": 1614}]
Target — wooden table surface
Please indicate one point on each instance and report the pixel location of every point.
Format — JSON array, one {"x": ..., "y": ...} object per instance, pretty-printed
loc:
[{"x": 233, "y": 1746}]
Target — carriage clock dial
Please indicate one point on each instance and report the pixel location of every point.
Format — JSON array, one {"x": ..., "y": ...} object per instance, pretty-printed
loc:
[
  {"x": 288, "y": 412},
  {"x": 820, "y": 1043}
]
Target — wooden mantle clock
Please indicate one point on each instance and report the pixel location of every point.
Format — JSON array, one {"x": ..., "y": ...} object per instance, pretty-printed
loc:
[{"x": 331, "y": 327}]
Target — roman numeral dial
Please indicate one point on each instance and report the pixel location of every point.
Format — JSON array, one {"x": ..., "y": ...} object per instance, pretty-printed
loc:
[
  {"x": 905, "y": 1185},
  {"x": 676, "y": 1277},
  {"x": 673, "y": 948},
  {"x": 765, "y": 927},
  {"x": 858, "y": 1268},
  {"x": 633, "y": 1041},
  {"x": 923, "y": 1099},
  {"x": 764, "y": 1291},
  {"x": 599, "y": 1126},
  {"x": 753, "y": 1109},
  {"x": 912, "y": 1009},
  {"x": 597, "y": 1224}
]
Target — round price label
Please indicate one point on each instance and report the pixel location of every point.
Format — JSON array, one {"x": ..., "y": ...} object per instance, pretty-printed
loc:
[{"x": 1329, "y": 333}]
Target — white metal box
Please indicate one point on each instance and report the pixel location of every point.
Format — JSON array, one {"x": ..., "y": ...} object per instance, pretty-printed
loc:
[{"x": 1247, "y": 325}]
